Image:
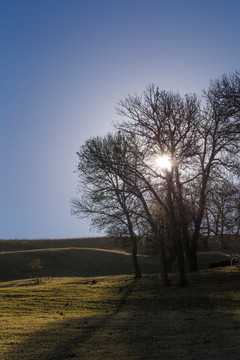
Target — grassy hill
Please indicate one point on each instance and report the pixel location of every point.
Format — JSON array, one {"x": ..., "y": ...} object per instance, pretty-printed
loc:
[
  {"x": 120, "y": 318},
  {"x": 20, "y": 245},
  {"x": 231, "y": 242},
  {"x": 71, "y": 262},
  {"x": 79, "y": 257}
]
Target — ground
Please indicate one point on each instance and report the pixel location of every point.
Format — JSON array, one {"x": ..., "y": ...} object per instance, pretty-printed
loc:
[{"x": 117, "y": 317}]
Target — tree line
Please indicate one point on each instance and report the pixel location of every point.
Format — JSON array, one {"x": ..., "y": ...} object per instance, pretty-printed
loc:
[{"x": 169, "y": 172}]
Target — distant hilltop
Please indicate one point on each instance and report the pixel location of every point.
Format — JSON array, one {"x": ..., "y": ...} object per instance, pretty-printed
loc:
[{"x": 27, "y": 244}]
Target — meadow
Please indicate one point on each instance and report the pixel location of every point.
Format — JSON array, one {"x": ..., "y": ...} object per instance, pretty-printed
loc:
[{"x": 114, "y": 316}]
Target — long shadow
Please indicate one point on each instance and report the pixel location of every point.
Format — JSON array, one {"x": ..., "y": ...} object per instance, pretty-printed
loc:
[
  {"x": 67, "y": 348},
  {"x": 169, "y": 334},
  {"x": 86, "y": 328}
]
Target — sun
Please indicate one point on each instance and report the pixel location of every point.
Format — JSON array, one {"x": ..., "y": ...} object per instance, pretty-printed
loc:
[{"x": 164, "y": 162}]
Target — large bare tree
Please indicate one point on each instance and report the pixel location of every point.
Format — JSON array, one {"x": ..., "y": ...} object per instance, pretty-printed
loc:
[
  {"x": 167, "y": 125},
  {"x": 197, "y": 141},
  {"x": 201, "y": 140}
]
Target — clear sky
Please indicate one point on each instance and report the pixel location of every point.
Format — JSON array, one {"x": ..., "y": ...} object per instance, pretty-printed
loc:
[{"x": 64, "y": 64}]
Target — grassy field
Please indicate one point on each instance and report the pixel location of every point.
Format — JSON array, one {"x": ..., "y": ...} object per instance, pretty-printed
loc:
[
  {"x": 88, "y": 305},
  {"x": 117, "y": 317}
]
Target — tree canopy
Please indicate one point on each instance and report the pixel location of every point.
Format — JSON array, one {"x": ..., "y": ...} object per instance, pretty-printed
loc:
[{"x": 155, "y": 173}]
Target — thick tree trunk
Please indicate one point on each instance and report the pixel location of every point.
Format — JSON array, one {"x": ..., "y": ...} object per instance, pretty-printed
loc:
[
  {"x": 165, "y": 279},
  {"x": 172, "y": 195},
  {"x": 193, "y": 244},
  {"x": 172, "y": 257},
  {"x": 134, "y": 247},
  {"x": 183, "y": 225},
  {"x": 180, "y": 258},
  {"x": 192, "y": 258},
  {"x": 222, "y": 242},
  {"x": 138, "y": 274},
  {"x": 164, "y": 273},
  {"x": 192, "y": 250},
  {"x": 181, "y": 268}
]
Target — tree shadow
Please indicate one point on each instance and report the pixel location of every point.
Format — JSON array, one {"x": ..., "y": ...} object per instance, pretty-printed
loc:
[
  {"x": 60, "y": 339},
  {"x": 94, "y": 325},
  {"x": 140, "y": 333}
]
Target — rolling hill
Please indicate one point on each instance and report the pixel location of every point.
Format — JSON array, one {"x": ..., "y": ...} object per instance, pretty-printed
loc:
[{"x": 69, "y": 262}]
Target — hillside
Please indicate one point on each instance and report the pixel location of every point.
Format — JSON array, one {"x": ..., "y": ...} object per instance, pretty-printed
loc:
[
  {"x": 17, "y": 245},
  {"x": 71, "y": 262},
  {"x": 231, "y": 244},
  {"x": 87, "y": 257}
]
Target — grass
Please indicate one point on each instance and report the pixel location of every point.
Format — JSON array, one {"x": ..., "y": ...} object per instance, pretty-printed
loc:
[
  {"x": 83, "y": 262},
  {"x": 71, "y": 262},
  {"x": 85, "y": 308},
  {"x": 117, "y": 317}
]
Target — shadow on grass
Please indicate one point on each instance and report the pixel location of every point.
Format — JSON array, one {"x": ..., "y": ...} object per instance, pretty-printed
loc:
[
  {"x": 93, "y": 325},
  {"x": 190, "y": 331},
  {"x": 72, "y": 337}
]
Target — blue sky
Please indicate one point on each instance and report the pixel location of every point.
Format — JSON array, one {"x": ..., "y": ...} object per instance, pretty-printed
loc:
[{"x": 64, "y": 64}]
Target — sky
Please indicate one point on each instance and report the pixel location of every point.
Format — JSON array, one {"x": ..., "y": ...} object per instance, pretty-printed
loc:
[{"x": 64, "y": 65}]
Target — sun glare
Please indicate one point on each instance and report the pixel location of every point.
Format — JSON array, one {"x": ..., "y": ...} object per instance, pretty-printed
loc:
[{"x": 163, "y": 162}]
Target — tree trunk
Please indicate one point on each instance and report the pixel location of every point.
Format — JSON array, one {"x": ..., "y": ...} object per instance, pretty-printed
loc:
[
  {"x": 169, "y": 260},
  {"x": 164, "y": 273},
  {"x": 138, "y": 274},
  {"x": 222, "y": 242},
  {"x": 192, "y": 251},
  {"x": 175, "y": 223},
  {"x": 192, "y": 258},
  {"x": 181, "y": 268},
  {"x": 180, "y": 258},
  {"x": 165, "y": 279}
]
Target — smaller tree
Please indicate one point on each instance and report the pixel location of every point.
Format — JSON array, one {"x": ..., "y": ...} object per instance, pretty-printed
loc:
[
  {"x": 106, "y": 199},
  {"x": 36, "y": 266},
  {"x": 222, "y": 210},
  {"x": 225, "y": 93}
]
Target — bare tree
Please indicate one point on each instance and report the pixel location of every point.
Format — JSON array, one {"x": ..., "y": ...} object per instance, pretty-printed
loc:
[
  {"x": 225, "y": 92},
  {"x": 222, "y": 210},
  {"x": 105, "y": 198},
  {"x": 200, "y": 139},
  {"x": 219, "y": 146},
  {"x": 167, "y": 125},
  {"x": 112, "y": 165}
]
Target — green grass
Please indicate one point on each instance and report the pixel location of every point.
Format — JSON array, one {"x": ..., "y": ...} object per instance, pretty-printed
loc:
[{"x": 118, "y": 317}]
